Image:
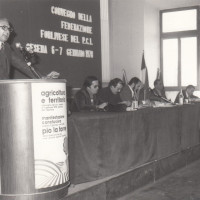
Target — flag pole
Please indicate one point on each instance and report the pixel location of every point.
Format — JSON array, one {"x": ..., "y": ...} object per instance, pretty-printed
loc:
[
  {"x": 143, "y": 83},
  {"x": 125, "y": 77},
  {"x": 144, "y": 75}
]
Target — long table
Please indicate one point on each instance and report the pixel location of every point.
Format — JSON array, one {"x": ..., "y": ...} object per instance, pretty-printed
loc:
[{"x": 102, "y": 144}]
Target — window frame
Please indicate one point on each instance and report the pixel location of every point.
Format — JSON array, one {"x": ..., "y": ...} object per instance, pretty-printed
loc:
[{"x": 178, "y": 35}]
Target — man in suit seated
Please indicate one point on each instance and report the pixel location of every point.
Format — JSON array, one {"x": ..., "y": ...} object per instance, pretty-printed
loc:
[
  {"x": 86, "y": 98},
  {"x": 111, "y": 95},
  {"x": 131, "y": 91},
  {"x": 158, "y": 93},
  {"x": 187, "y": 94}
]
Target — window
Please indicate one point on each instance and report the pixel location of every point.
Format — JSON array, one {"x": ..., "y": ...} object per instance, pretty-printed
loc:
[
  {"x": 170, "y": 62},
  {"x": 189, "y": 61},
  {"x": 179, "y": 21},
  {"x": 179, "y": 47}
]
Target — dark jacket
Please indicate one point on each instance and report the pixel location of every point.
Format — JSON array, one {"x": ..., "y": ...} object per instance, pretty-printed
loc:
[
  {"x": 106, "y": 95},
  {"x": 83, "y": 102},
  {"x": 184, "y": 97},
  {"x": 9, "y": 58},
  {"x": 155, "y": 96},
  {"x": 126, "y": 94}
]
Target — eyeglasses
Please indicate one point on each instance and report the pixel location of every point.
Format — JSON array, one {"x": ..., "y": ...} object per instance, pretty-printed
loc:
[{"x": 6, "y": 28}]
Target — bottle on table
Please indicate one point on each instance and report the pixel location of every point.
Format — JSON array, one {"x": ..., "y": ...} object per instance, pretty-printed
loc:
[
  {"x": 134, "y": 104},
  {"x": 181, "y": 97}
]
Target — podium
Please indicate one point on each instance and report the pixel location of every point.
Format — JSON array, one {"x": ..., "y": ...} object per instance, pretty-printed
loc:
[{"x": 33, "y": 140}]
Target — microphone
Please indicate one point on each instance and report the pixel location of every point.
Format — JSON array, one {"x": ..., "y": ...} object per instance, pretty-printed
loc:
[
  {"x": 163, "y": 98},
  {"x": 26, "y": 52},
  {"x": 150, "y": 89},
  {"x": 27, "y": 49},
  {"x": 168, "y": 101},
  {"x": 18, "y": 46}
]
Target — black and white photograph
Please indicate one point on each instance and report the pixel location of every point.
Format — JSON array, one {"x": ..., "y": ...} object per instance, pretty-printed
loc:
[{"x": 99, "y": 99}]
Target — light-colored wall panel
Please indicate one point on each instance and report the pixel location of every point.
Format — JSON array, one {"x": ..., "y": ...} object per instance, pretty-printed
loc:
[
  {"x": 126, "y": 20},
  {"x": 151, "y": 41}
]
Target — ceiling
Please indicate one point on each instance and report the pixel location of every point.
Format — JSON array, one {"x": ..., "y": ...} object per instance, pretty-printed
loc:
[{"x": 166, "y": 4}]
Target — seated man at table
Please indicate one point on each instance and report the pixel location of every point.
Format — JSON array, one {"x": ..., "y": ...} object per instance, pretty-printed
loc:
[
  {"x": 158, "y": 93},
  {"x": 86, "y": 98},
  {"x": 111, "y": 95},
  {"x": 187, "y": 94},
  {"x": 130, "y": 92}
]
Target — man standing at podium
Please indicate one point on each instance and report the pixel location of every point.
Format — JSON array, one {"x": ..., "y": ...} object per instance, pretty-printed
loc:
[{"x": 9, "y": 58}]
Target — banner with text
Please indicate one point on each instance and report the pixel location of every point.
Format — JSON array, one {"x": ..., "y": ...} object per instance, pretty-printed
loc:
[
  {"x": 50, "y": 134},
  {"x": 64, "y": 35}
]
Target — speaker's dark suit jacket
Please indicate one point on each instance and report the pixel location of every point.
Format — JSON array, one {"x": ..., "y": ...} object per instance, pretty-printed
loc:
[{"x": 8, "y": 59}]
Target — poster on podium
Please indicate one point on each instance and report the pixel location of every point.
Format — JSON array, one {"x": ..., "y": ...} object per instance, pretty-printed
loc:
[{"x": 50, "y": 134}]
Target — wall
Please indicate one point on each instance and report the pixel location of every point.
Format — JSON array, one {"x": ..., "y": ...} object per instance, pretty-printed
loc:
[
  {"x": 151, "y": 41},
  {"x": 134, "y": 27},
  {"x": 126, "y": 20}
]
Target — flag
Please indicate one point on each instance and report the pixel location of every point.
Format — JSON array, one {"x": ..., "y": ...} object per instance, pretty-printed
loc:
[
  {"x": 160, "y": 77},
  {"x": 158, "y": 73},
  {"x": 144, "y": 73},
  {"x": 144, "y": 78},
  {"x": 124, "y": 78}
]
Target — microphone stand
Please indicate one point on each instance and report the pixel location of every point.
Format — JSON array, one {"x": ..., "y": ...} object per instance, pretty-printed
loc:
[
  {"x": 33, "y": 69},
  {"x": 168, "y": 101},
  {"x": 27, "y": 56},
  {"x": 164, "y": 99}
]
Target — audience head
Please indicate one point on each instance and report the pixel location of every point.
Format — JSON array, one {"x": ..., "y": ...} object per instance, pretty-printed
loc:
[
  {"x": 190, "y": 90},
  {"x": 5, "y": 29},
  {"x": 91, "y": 84},
  {"x": 135, "y": 83},
  {"x": 158, "y": 84},
  {"x": 115, "y": 85}
]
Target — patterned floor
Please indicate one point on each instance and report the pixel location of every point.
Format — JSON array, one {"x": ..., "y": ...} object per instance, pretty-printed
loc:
[{"x": 183, "y": 184}]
